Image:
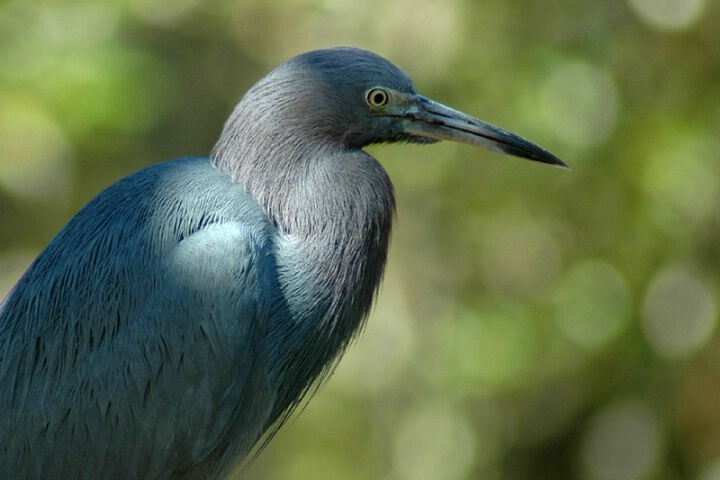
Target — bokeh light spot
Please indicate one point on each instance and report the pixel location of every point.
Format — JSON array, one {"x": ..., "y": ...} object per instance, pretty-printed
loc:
[
  {"x": 623, "y": 442},
  {"x": 38, "y": 36},
  {"x": 681, "y": 177},
  {"x": 679, "y": 312},
  {"x": 579, "y": 103},
  {"x": 495, "y": 346},
  {"x": 711, "y": 471},
  {"x": 592, "y": 304},
  {"x": 519, "y": 256},
  {"x": 668, "y": 14},
  {"x": 434, "y": 442}
]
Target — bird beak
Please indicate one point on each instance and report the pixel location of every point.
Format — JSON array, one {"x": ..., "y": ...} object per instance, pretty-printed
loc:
[{"x": 427, "y": 118}]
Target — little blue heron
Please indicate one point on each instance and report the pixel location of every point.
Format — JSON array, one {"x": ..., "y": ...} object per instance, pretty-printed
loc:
[{"x": 182, "y": 315}]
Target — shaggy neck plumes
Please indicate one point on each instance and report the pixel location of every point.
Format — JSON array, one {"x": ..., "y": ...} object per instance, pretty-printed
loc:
[{"x": 332, "y": 206}]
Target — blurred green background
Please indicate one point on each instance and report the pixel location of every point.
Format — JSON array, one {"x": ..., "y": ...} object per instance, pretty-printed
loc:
[{"x": 534, "y": 323}]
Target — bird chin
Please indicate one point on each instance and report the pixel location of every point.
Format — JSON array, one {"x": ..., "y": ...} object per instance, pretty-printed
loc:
[{"x": 418, "y": 140}]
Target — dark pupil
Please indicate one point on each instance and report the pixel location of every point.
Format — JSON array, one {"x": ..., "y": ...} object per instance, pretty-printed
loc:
[{"x": 378, "y": 98}]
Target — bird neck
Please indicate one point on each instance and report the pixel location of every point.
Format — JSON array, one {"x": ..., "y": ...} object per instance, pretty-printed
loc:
[
  {"x": 333, "y": 209},
  {"x": 335, "y": 204}
]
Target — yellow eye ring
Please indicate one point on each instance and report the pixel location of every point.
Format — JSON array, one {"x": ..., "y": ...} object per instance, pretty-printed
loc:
[{"x": 377, "y": 97}]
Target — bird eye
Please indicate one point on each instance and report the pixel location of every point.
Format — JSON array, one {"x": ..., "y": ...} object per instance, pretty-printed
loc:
[{"x": 377, "y": 97}]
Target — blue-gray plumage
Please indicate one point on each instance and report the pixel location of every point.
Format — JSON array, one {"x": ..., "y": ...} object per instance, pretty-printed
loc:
[{"x": 187, "y": 309}]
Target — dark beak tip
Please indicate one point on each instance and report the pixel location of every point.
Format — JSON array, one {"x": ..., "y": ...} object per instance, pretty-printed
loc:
[
  {"x": 556, "y": 162},
  {"x": 535, "y": 154}
]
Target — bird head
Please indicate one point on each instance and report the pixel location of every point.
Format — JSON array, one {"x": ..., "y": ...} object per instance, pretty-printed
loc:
[
  {"x": 360, "y": 98},
  {"x": 351, "y": 98}
]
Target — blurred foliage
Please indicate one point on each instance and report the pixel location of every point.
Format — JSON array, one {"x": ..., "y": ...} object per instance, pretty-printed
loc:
[{"x": 534, "y": 323}]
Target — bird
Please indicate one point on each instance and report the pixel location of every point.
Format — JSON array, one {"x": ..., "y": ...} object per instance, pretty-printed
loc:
[{"x": 180, "y": 317}]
